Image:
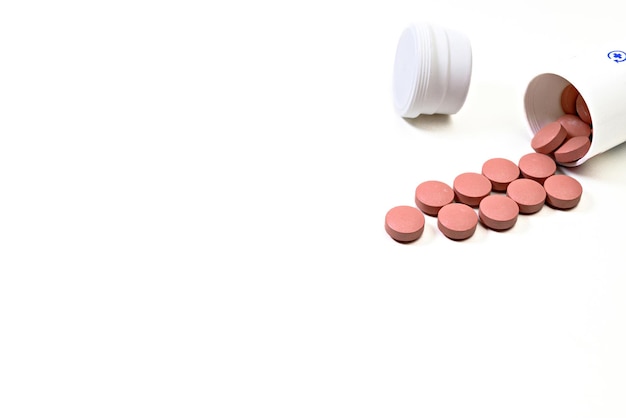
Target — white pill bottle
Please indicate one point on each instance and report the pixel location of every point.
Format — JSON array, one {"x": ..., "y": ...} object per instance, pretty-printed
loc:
[{"x": 599, "y": 75}]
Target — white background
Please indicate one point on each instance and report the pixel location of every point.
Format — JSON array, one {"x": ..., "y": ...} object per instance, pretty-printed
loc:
[{"x": 192, "y": 198}]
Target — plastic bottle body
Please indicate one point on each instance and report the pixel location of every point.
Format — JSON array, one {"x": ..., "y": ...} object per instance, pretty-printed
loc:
[{"x": 599, "y": 75}]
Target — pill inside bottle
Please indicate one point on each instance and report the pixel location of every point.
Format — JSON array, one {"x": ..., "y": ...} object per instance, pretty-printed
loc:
[
  {"x": 572, "y": 150},
  {"x": 584, "y": 91},
  {"x": 549, "y": 137}
]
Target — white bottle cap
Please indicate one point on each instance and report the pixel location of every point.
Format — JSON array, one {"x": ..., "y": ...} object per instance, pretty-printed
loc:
[{"x": 432, "y": 71}]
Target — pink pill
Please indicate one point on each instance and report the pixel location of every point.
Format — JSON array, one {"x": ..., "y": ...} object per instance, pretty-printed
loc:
[
  {"x": 500, "y": 173},
  {"x": 404, "y": 223},
  {"x": 536, "y": 166},
  {"x": 549, "y": 137},
  {"x": 432, "y": 195},
  {"x": 471, "y": 188},
  {"x": 562, "y": 192},
  {"x": 568, "y": 99},
  {"x": 572, "y": 150},
  {"x": 457, "y": 221},
  {"x": 498, "y": 212},
  {"x": 529, "y": 195},
  {"x": 575, "y": 126},
  {"x": 582, "y": 110}
]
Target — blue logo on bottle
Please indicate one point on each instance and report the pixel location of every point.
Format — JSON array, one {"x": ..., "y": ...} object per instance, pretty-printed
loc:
[{"x": 617, "y": 56}]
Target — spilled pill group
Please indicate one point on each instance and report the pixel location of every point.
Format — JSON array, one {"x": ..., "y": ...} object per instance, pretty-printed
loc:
[
  {"x": 493, "y": 197},
  {"x": 503, "y": 189}
]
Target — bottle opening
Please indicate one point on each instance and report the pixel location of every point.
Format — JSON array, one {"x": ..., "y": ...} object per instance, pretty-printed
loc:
[{"x": 542, "y": 100}]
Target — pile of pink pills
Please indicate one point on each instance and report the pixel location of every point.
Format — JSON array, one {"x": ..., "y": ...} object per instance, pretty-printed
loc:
[
  {"x": 568, "y": 138},
  {"x": 503, "y": 189}
]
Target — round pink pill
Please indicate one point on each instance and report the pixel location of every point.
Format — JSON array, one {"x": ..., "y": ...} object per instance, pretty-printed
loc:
[
  {"x": 404, "y": 223},
  {"x": 432, "y": 195},
  {"x": 471, "y": 188},
  {"x": 549, "y": 137},
  {"x": 572, "y": 150},
  {"x": 574, "y": 126},
  {"x": 498, "y": 212},
  {"x": 537, "y": 166},
  {"x": 562, "y": 191},
  {"x": 568, "y": 99},
  {"x": 500, "y": 172},
  {"x": 457, "y": 221},
  {"x": 582, "y": 110},
  {"x": 529, "y": 195}
]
